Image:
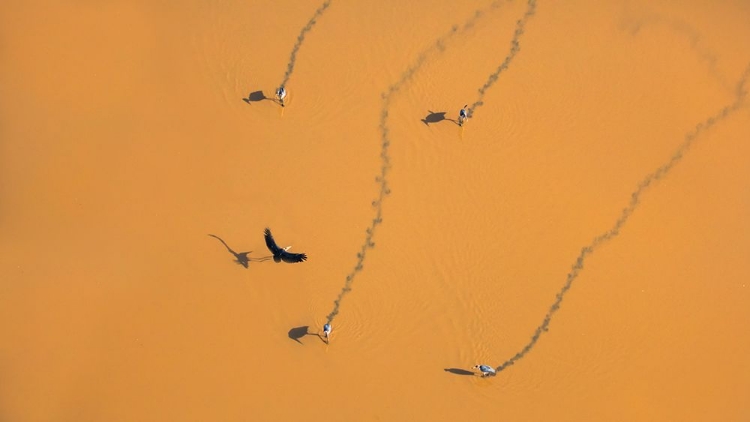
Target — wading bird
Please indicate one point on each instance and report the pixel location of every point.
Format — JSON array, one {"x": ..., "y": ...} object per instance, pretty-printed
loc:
[
  {"x": 485, "y": 369},
  {"x": 281, "y": 254},
  {"x": 463, "y": 116},
  {"x": 281, "y": 94}
]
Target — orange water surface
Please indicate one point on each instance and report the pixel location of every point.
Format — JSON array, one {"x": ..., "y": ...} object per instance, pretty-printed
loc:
[{"x": 125, "y": 140}]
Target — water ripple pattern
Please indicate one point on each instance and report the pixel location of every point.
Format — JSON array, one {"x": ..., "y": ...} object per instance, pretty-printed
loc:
[
  {"x": 635, "y": 199},
  {"x": 382, "y": 179},
  {"x": 514, "y": 50},
  {"x": 300, "y": 39}
]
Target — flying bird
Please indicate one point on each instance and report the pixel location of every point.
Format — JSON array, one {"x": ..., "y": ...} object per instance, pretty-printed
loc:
[
  {"x": 240, "y": 257},
  {"x": 485, "y": 369},
  {"x": 281, "y": 254}
]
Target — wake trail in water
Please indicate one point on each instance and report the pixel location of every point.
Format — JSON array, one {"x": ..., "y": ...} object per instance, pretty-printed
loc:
[
  {"x": 300, "y": 39},
  {"x": 515, "y": 48},
  {"x": 634, "y": 22},
  {"x": 635, "y": 198},
  {"x": 382, "y": 179}
]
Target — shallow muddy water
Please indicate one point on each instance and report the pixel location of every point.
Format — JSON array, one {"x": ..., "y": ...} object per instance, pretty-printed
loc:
[{"x": 587, "y": 224}]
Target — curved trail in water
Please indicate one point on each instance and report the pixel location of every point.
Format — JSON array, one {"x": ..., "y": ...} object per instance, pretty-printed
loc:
[
  {"x": 382, "y": 178},
  {"x": 634, "y": 22},
  {"x": 515, "y": 48},
  {"x": 300, "y": 39},
  {"x": 635, "y": 198}
]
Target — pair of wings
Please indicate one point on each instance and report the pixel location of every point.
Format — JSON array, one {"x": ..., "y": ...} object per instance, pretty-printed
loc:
[{"x": 281, "y": 253}]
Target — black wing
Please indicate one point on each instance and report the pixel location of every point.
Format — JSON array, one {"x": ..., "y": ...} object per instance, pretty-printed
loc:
[
  {"x": 292, "y": 257},
  {"x": 272, "y": 246}
]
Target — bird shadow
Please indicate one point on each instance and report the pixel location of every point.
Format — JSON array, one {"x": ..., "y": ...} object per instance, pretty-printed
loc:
[
  {"x": 436, "y": 117},
  {"x": 297, "y": 333},
  {"x": 255, "y": 97},
  {"x": 458, "y": 371},
  {"x": 240, "y": 258}
]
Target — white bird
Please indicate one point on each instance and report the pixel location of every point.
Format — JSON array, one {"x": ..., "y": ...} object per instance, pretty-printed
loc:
[
  {"x": 486, "y": 370},
  {"x": 327, "y": 331},
  {"x": 463, "y": 116},
  {"x": 281, "y": 94}
]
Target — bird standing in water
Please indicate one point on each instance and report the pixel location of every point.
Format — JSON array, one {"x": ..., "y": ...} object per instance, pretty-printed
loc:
[
  {"x": 281, "y": 94},
  {"x": 463, "y": 115},
  {"x": 486, "y": 370}
]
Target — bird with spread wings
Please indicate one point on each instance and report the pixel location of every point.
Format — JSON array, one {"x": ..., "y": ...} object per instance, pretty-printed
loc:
[{"x": 282, "y": 254}]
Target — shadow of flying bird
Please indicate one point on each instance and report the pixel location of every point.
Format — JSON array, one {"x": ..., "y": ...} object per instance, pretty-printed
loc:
[
  {"x": 281, "y": 254},
  {"x": 241, "y": 257}
]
